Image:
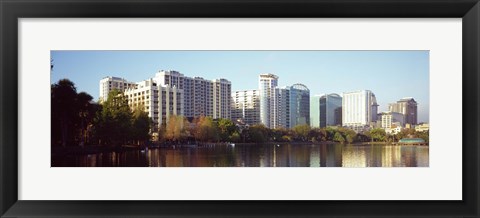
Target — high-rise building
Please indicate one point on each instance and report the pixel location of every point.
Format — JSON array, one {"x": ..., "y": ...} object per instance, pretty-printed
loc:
[
  {"x": 159, "y": 101},
  {"x": 326, "y": 110},
  {"x": 359, "y": 109},
  {"x": 172, "y": 93},
  {"x": 299, "y": 105},
  {"x": 283, "y": 107},
  {"x": 222, "y": 90},
  {"x": 267, "y": 84},
  {"x": 201, "y": 97},
  {"x": 406, "y": 106},
  {"x": 281, "y": 110},
  {"x": 110, "y": 83},
  {"x": 246, "y": 106}
]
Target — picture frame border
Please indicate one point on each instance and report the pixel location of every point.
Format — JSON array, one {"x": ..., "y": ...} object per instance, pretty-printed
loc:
[{"x": 12, "y": 10}]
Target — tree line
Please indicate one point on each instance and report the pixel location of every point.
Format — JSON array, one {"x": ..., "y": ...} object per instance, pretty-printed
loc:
[{"x": 77, "y": 120}]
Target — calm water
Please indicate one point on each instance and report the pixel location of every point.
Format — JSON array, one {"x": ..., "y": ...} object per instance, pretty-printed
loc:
[{"x": 257, "y": 156}]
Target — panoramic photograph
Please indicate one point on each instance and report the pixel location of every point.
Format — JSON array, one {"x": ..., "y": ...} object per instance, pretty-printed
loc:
[{"x": 239, "y": 108}]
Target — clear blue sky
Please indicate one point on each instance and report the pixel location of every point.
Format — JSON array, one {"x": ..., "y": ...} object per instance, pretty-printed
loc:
[{"x": 391, "y": 75}]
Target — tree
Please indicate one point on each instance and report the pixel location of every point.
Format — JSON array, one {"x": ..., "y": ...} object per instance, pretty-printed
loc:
[
  {"x": 113, "y": 123},
  {"x": 86, "y": 112},
  {"x": 378, "y": 135},
  {"x": 235, "y": 137},
  {"x": 175, "y": 128},
  {"x": 205, "y": 130},
  {"x": 64, "y": 115},
  {"x": 277, "y": 134},
  {"x": 226, "y": 128},
  {"x": 141, "y": 124},
  {"x": 338, "y": 137},
  {"x": 350, "y": 135},
  {"x": 302, "y": 131},
  {"x": 258, "y": 133}
]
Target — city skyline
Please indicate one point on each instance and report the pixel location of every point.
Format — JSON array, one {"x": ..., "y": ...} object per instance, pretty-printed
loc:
[{"x": 391, "y": 75}]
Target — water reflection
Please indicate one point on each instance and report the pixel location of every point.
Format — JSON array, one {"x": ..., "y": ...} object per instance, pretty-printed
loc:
[{"x": 334, "y": 155}]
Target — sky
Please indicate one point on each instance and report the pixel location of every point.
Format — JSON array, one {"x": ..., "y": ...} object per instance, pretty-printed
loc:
[{"x": 390, "y": 75}]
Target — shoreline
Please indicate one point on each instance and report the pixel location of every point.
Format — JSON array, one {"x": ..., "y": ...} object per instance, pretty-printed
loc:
[{"x": 77, "y": 150}]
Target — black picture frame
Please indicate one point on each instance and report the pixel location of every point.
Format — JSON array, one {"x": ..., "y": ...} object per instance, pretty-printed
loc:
[{"x": 12, "y": 10}]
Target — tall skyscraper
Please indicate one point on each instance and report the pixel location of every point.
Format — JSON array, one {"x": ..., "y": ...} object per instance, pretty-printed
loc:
[
  {"x": 299, "y": 105},
  {"x": 267, "y": 84},
  {"x": 406, "y": 106},
  {"x": 326, "y": 110},
  {"x": 359, "y": 109},
  {"x": 246, "y": 106}
]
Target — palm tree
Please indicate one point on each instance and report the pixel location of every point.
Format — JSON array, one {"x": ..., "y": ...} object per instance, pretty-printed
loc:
[{"x": 63, "y": 114}]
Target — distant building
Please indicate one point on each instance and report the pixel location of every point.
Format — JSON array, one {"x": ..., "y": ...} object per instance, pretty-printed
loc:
[
  {"x": 408, "y": 107},
  {"x": 422, "y": 127},
  {"x": 326, "y": 110},
  {"x": 388, "y": 118},
  {"x": 395, "y": 129},
  {"x": 279, "y": 107},
  {"x": 359, "y": 109},
  {"x": 246, "y": 106},
  {"x": 282, "y": 108},
  {"x": 110, "y": 83},
  {"x": 299, "y": 105}
]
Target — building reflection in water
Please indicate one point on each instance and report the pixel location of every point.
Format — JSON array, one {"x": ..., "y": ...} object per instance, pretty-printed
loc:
[{"x": 269, "y": 155}]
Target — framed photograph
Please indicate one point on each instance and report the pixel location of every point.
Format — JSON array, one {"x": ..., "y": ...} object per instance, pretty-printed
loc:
[{"x": 227, "y": 108}]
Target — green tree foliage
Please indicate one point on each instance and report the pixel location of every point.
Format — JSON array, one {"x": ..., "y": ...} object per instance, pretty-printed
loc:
[
  {"x": 302, "y": 132},
  {"x": 258, "y": 133},
  {"x": 235, "y": 137},
  {"x": 141, "y": 125},
  {"x": 423, "y": 135},
  {"x": 378, "y": 135},
  {"x": 226, "y": 128},
  {"x": 114, "y": 122},
  {"x": 277, "y": 135},
  {"x": 349, "y": 135},
  {"x": 338, "y": 137}
]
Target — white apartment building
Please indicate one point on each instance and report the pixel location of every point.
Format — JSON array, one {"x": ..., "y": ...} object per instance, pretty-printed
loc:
[
  {"x": 201, "y": 97},
  {"x": 172, "y": 93},
  {"x": 267, "y": 84},
  {"x": 110, "y": 83},
  {"x": 389, "y": 118},
  {"x": 159, "y": 101},
  {"x": 246, "y": 106},
  {"x": 359, "y": 109}
]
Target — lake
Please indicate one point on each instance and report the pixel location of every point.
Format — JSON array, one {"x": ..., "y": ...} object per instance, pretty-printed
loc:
[{"x": 267, "y": 155}]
